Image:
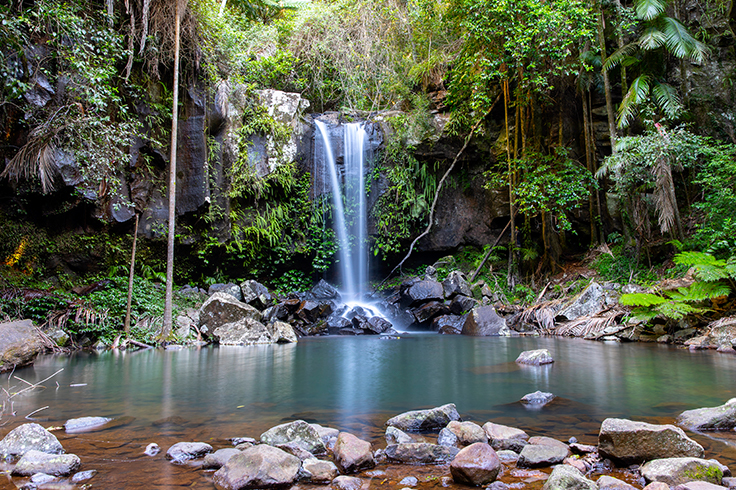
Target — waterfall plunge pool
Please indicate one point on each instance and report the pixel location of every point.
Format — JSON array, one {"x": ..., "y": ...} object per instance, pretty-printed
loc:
[{"x": 355, "y": 384}]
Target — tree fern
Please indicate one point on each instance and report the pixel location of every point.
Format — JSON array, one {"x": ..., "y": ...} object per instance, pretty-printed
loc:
[{"x": 649, "y": 9}]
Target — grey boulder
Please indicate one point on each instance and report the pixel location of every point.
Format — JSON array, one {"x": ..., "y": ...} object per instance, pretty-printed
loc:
[
  {"x": 566, "y": 477},
  {"x": 425, "y": 420},
  {"x": 503, "y": 437},
  {"x": 261, "y": 466},
  {"x": 20, "y": 344},
  {"x": 299, "y": 433},
  {"x": 184, "y": 451},
  {"x": 715, "y": 418},
  {"x": 398, "y": 436},
  {"x": 676, "y": 471},
  {"x": 353, "y": 454},
  {"x": 540, "y": 455},
  {"x": 606, "y": 482},
  {"x": 28, "y": 437},
  {"x": 222, "y": 308},
  {"x": 219, "y": 458},
  {"x": 319, "y": 471},
  {"x": 628, "y": 442},
  {"x": 535, "y": 357},
  {"x": 34, "y": 462},
  {"x": 461, "y": 434},
  {"x": 420, "y": 453},
  {"x": 483, "y": 322},
  {"x": 85, "y": 424}
]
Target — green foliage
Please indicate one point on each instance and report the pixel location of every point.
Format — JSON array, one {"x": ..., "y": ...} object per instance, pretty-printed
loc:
[
  {"x": 717, "y": 177},
  {"x": 290, "y": 281},
  {"x": 622, "y": 266}
]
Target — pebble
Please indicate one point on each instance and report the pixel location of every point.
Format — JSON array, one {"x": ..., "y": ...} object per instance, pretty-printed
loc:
[
  {"x": 409, "y": 481},
  {"x": 152, "y": 449}
]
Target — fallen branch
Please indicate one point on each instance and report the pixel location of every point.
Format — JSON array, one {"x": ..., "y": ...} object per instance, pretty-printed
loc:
[
  {"x": 437, "y": 193},
  {"x": 36, "y": 411},
  {"x": 35, "y": 385},
  {"x": 139, "y": 344},
  {"x": 488, "y": 254}
]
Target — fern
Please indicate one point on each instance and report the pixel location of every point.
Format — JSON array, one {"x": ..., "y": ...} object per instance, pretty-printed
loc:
[{"x": 641, "y": 299}]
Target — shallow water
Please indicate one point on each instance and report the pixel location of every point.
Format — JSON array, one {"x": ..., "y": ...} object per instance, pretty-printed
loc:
[{"x": 355, "y": 384}]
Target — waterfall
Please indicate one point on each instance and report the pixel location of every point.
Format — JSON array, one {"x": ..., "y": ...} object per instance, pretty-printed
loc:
[{"x": 349, "y": 207}]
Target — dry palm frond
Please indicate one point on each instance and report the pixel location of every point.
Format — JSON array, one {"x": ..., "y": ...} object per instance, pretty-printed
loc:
[
  {"x": 664, "y": 195},
  {"x": 543, "y": 314},
  {"x": 591, "y": 326},
  {"x": 35, "y": 158}
]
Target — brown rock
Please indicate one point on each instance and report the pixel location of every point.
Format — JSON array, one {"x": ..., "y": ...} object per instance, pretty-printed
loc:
[
  {"x": 20, "y": 344},
  {"x": 475, "y": 465},
  {"x": 353, "y": 454}
]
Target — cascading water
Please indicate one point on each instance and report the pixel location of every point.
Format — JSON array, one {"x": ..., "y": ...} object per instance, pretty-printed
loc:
[{"x": 349, "y": 216}]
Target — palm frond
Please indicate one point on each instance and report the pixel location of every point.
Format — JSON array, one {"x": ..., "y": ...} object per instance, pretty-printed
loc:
[
  {"x": 652, "y": 38},
  {"x": 681, "y": 43},
  {"x": 37, "y": 157},
  {"x": 649, "y": 9},
  {"x": 619, "y": 56},
  {"x": 667, "y": 98},
  {"x": 637, "y": 94}
]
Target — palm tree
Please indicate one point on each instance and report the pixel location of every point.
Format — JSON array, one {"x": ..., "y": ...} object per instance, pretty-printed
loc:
[{"x": 658, "y": 35}]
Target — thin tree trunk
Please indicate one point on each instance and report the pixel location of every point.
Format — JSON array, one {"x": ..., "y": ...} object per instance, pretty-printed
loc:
[
  {"x": 490, "y": 250},
  {"x": 589, "y": 166},
  {"x": 607, "y": 82},
  {"x": 222, "y": 8},
  {"x": 168, "y": 302},
  {"x": 130, "y": 280}
]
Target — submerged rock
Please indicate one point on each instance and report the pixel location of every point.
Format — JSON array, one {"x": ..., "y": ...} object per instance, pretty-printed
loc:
[
  {"x": 260, "y": 466},
  {"x": 537, "y": 399},
  {"x": 299, "y": 433},
  {"x": 29, "y": 437},
  {"x": 675, "y": 471},
  {"x": 34, "y": 462},
  {"x": 715, "y": 418},
  {"x": 85, "y": 423},
  {"x": 425, "y": 420},
  {"x": 475, "y": 465},
  {"x": 628, "y": 442}
]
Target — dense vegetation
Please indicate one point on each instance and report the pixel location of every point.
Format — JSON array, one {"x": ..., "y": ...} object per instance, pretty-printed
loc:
[{"x": 83, "y": 81}]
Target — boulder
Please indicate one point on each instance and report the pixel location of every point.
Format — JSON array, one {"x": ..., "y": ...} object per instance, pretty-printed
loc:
[
  {"x": 282, "y": 333},
  {"x": 398, "y": 436},
  {"x": 29, "y": 437},
  {"x": 461, "y": 434},
  {"x": 222, "y": 308},
  {"x": 255, "y": 294},
  {"x": 319, "y": 471},
  {"x": 260, "y": 466},
  {"x": 85, "y": 423},
  {"x": 377, "y": 325},
  {"x": 475, "y": 465},
  {"x": 327, "y": 434},
  {"x": 462, "y": 304},
  {"x": 310, "y": 311},
  {"x": 81, "y": 476},
  {"x": 429, "y": 310},
  {"x": 409, "y": 481},
  {"x": 628, "y": 442},
  {"x": 20, "y": 344},
  {"x": 589, "y": 302},
  {"x": 675, "y": 471},
  {"x": 657, "y": 485},
  {"x": 230, "y": 289},
  {"x": 565, "y": 477},
  {"x": 425, "y": 420},
  {"x": 456, "y": 283},
  {"x": 184, "y": 451},
  {"x": 484, "y": 321},
  {"x": 715, "y": 418},
  {"x": 503, "y": 437},
  {"x": 344, "y": 482},
  {"x": 324, "y": 290},
  {"x": 299, "y": 433},
  {"x": 507, "y": 456},
  {"x": 245, "y": 331},
  {"x": 540, "y": 455},
  {"x": 448, "y": 324},
  {"x": 535, "y": 357},
  {"x": 420, "y": 453},
  {"x": 295, "y": 450},
  {"x": 34, "y": 462},
  {"x": 698, "y": 485},
  {"x": 606, "y": 482},
  {"x": 426, "y": 290},
  {"x": 353, "y": 454},
  {"x": 537, "y": 399},
  {"x": 219, "y": 458}
]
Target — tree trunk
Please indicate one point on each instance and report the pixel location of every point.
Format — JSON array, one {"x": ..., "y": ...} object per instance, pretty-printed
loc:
[
  {"x": 589, "y": 165},
  {"x": 168, "y": 302},
  {"x": 130, "y": 280},
  {"x": 607, "y": 82}
]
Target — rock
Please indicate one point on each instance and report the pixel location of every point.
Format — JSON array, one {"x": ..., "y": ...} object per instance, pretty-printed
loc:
[
  {"x": 462, "y": 434},
  {"x": 589, "y": 302},
  {"x": 715, "y": 418},
  {"x": 565, "y": 477},
  {"x": 497, "y": 485},
  {"x": 219, "y": 458},
  {"x": 57, "y": 335},
  {"x": 353, "y": 454},
  {"x": 540, "y": 455},
  {"x": 29, "y": 437},
  {"x": 657, "y": 485},
  {"x": 41, "y": 478},
  {"x": 503, "y": 437},
  {"x": 230, "y": 289},
  {"x": 255, "y": 294},
  {"x": 310, "y": 311},
  {"x": 377, "y": 325},
  {"x": 152, "y": 449},
  {"x": 222, "y": 308},
  {"x": 606, "y": 482},
  {"x": 34, "y": 462},
  {"x": 85, "y": 423},
  {"x": 675, "y": 471},
  {"x": 537, "y": 399},
  {"x": 535, "y": 357},
  {"x": 299, "y": 433},
  {"x": 507, "y": 456},
  {"x": 429, "y": 310},
  {"x": 578, "y": 448},
  {"x": 628, "y": 442},
  {"x": 184, "y": 451},
  {"x": 409, "y": 481},
  {"x": 20, "y": 344},
  {"x": 318, "y": 471},
  {"x": 547, "y": 441},
  {"x": 475, "y": 465},
  {"x": 324, "y": 290},
  {"x": 260, "y": 466},
  {"x": 426, "y": 290},
  {"x": 425, "y": 420},
  {"x": 698, "y": 485},
  {"x": 245, "y": 331},
  {"x": 420, "y": 453},
  {"x": 343, "y": 482},
  {"x": 729, "y": 482},
  {"x": 282, "y": 333},
  {"x": 397, "y": 436},
  {"x": 83, "y": 476},
  {"x": 295, "y": 450},
  {"x": 327, "y": 434},
  {"x": 186, "y": 324},
  {"x": 484, "y": 321},
  {"x": 456, "y": 284},
  {"x": 462, "y": 304}
]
